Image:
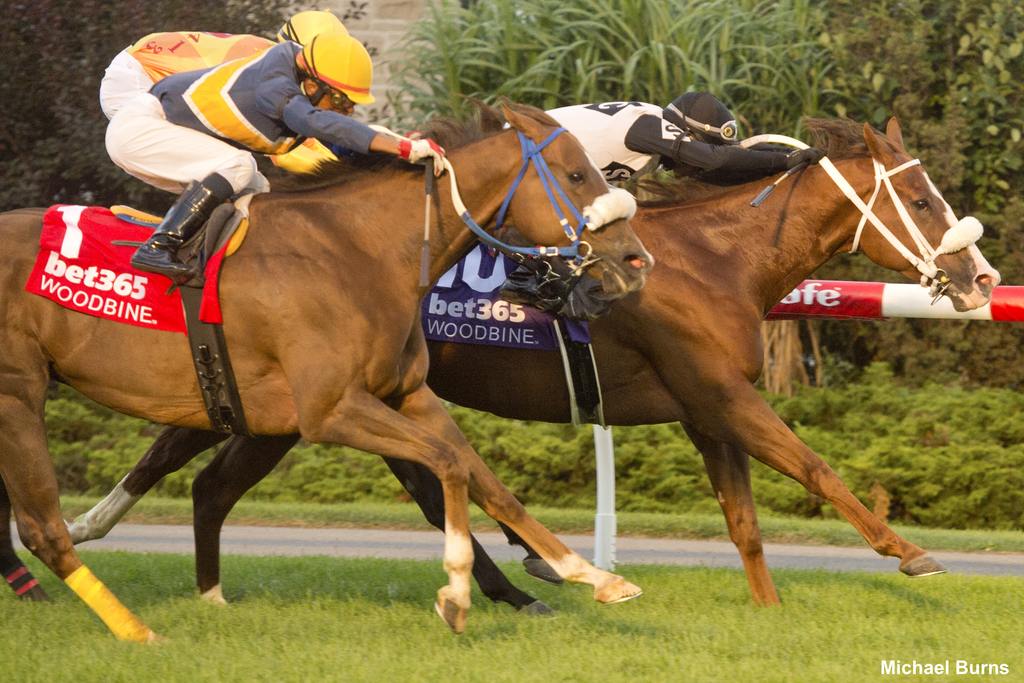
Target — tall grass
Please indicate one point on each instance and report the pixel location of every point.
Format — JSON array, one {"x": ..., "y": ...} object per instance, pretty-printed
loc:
[{"x": 763, "y": 58}]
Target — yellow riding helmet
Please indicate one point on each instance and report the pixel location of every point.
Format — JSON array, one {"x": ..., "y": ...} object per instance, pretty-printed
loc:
[
  {"x": 341, "y": 62},
  {"x": 304, "y": 26}
]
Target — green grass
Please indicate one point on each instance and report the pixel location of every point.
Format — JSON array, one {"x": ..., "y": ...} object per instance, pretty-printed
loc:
[
  {"x": 686, "y": 525},
  {"x": 326, "y": 619}
]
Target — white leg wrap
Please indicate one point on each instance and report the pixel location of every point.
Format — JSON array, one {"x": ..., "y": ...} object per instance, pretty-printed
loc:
[{"x": 103, "y": 516}]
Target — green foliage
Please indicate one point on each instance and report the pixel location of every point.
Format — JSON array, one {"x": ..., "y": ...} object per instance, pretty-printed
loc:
[
  {"x": 761, "y": 57},
  {"x": 52, "y": 130},
  {"x": 952, "y": 73},
  {"x": 945, "y": 456}
]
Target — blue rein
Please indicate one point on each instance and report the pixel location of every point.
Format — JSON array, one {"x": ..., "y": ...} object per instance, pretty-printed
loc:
[{"x": 532, "y": 155}]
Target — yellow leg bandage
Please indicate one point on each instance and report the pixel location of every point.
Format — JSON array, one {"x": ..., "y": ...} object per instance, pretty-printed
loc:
[{"x": 121, "y": 622}]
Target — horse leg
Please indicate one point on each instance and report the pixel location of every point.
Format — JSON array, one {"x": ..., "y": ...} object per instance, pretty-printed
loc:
[
  {"x": 19, "y": 578},
  {"x": 239, "y": 465},
  {"x": 729, "y": 471},
  {"x": 533, "y": 563},
  {"x": 171, "y": 451},
  {"x": 414, "y": 427},
  {"x": 425, "y": 489},
  {"x": 489, "y": 493},
  {"x": 499, "y": 503},
  {"x": 745, "y": 419},
  {"x": 31, "y": 483}
]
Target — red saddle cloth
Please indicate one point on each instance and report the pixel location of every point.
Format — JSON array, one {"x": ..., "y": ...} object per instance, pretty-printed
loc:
[{"x": 79, "y": 268}]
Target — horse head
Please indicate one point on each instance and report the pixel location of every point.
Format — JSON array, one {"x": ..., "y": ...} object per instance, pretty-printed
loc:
[
  {"x": 572, "y": 196},
  {"x": 925, "y": 239}
]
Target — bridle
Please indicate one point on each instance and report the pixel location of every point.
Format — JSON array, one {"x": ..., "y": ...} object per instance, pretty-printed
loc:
[
  {"x": 966, "y": 232},
  {"x": 963, "y": 234},
  {"x": 612, "y": 205}
]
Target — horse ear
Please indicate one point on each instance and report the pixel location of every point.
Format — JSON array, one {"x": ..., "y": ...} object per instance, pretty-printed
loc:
[
  {"x": 490, "y": 118},
  {"x": 895, "y": 133},
  {"x": 524, "y": 123},
  {"x": 879, "y": 146}
]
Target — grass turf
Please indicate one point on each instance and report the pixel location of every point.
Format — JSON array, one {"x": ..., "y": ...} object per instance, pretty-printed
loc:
[
  {"x": 684, "y": 525},
  {"x": 302, "y": 619}
]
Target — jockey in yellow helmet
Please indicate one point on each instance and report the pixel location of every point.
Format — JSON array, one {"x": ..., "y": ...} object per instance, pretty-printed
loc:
[
  {"x": 153, "y": 57},
  {"x": 197, "y": 130},
  {"x": 301, "y": 28}
]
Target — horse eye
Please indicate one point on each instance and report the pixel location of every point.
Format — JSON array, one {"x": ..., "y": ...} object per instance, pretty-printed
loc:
[
  {"x": 921, "y": 204},
  {"x": 576, "y": 177}
]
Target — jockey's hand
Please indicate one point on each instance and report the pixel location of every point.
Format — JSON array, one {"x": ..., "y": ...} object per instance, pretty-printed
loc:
[
  {"x": 809, "y": 156},
  {"x": 414, "y": 151}
]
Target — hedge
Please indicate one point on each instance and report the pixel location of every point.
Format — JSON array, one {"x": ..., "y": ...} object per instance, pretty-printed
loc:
[{"x": 940, "y": 455}]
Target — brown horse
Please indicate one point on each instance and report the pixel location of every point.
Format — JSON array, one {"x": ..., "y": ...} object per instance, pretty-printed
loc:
[
  {"x": 686, "y": 349},
  {"x": 322, "y": 317}
]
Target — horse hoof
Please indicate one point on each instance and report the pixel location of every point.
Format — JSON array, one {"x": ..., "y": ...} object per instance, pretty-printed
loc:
[
  {"x": 453, "y": 615},
  {"x": 214, "y": 596},
  {"x": 537, "y": 609},
  {"x": 539, "y": 569},
  {"x": 618, "y": 590},
  {"x": 35, "y": 594},
  {"x": 925, "y": 565}
]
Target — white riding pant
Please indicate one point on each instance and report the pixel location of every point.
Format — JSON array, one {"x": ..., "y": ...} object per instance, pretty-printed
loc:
[
  {"x": 145, "y": 144},
  {"x": 124, "y": 80}
]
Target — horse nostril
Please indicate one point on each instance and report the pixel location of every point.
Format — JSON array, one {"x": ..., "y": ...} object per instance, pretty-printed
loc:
[
  {"x": 985, "y": 281},
  {"x": 637, "y": 262}
]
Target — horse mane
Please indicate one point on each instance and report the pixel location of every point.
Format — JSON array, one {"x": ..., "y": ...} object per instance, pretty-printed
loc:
[
  {"x": 838, "y": 138},
  {"x": 449, "y": 132}
]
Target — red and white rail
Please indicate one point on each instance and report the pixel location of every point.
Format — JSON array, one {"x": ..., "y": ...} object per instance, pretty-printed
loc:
[{"x": 877, "y": 300}]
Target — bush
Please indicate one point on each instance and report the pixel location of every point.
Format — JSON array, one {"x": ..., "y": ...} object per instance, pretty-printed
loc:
[{"x": 943, "y": 456}]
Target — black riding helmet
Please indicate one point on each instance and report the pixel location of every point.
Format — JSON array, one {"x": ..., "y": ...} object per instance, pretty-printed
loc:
[{"x": 703, "y": 115}]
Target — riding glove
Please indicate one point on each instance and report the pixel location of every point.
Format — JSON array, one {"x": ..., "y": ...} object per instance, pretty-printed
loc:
[{"x": 811, "y": 155}]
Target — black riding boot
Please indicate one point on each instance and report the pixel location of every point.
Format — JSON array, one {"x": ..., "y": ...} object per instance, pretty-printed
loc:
[{"x": 183, "y": 219}]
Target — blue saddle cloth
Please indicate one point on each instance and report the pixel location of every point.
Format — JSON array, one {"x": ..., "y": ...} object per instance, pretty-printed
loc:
[{"x": 463, "y": 307}]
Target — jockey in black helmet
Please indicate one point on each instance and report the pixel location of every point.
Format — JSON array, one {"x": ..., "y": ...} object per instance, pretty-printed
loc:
[{"x": 695, "y": 134}]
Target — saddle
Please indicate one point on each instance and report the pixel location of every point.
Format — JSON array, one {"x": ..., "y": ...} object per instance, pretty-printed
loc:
[
  {"x": 227, "y": 226},
  {"x": 221, "y": 236}
]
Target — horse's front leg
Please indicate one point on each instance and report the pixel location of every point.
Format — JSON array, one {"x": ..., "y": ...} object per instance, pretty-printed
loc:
[
  {"x": 729, "y": 471},
  {"x": 415, "y": 430},
  {"x": 499, "y": 503},
  {"x": 425, "y": 489},
  {"x": 735, "y": 413}
]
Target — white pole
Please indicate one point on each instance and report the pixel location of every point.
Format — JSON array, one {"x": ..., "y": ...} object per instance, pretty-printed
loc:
[{"x": 604, "y": 520}]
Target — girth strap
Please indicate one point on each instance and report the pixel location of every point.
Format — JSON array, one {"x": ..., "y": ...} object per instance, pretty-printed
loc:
[{"x": 580, "y": 377}]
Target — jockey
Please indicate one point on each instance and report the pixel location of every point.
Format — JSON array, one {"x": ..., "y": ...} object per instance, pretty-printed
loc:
[
  {"x": 152, "y": 58},
  {"x": 696, "y": 132},
  {"x": 196, "y": 131}
]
